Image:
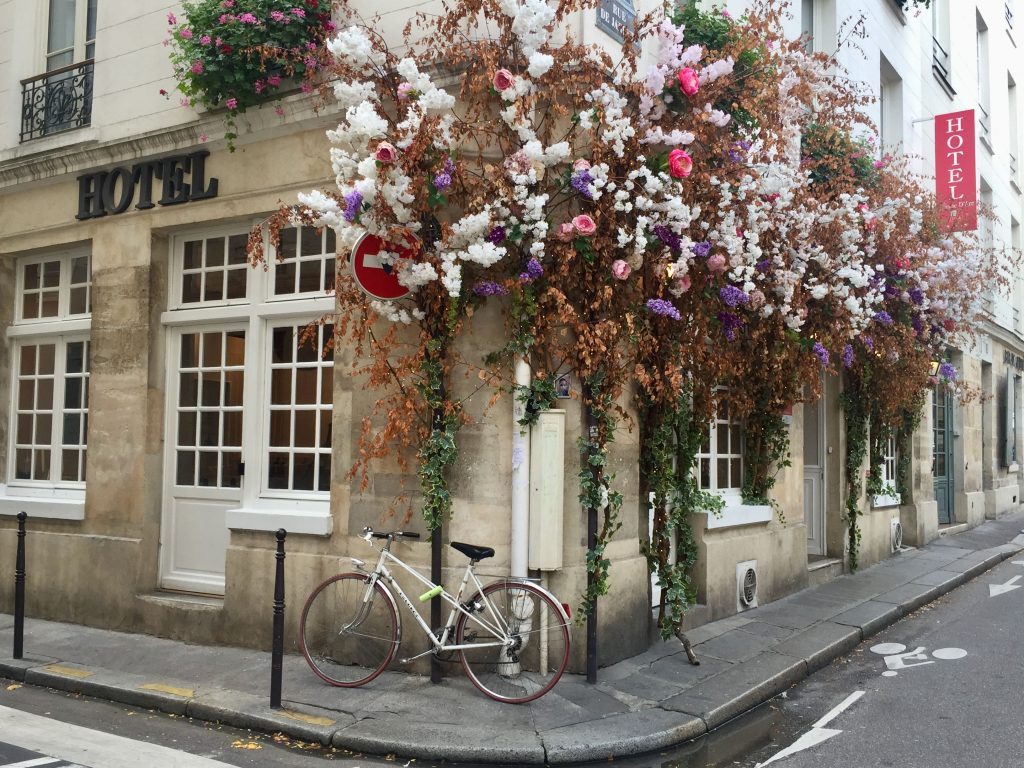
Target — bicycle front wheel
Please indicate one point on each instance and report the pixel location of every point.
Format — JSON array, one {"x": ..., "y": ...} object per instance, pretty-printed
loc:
[
  {"x": 349, "y": 631},
  {"x": 523, "y": 636}
]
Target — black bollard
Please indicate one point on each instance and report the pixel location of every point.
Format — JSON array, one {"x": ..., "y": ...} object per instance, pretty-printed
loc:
[
  {"x": 19, "y": 590},
  {"x": 277, "y": 653}
]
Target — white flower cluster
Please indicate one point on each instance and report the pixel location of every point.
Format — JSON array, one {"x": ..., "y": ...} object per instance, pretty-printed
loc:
[{"x": 352, "y": 46}]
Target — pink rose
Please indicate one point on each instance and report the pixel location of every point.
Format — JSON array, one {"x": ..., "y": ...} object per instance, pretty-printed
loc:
[
  {"x": 403, "y": 91},
  {"x": 584, "y": 225},
  {"x": 503, "y": 80},
  {"x": 620, "y": 269},
  {"x": 231, "y": 103},
  {"x": 186, "y": 33},
  {"x": 680, "y": 164},
  {"x": 274, "y": 80},
  {"x": 205, "y": 40},
  {"x": 581, "y": 165},
  {"x": 565, "y": 231},
  {"x": 683, "y": 284},
  {"x": 716, "y": 263},
  {"x": 688, "y": 81},
  {"x": 386, "y": 153}
]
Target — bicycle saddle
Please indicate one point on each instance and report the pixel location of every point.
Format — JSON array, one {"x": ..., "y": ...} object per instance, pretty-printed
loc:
[{"x": 472, "y": 551}]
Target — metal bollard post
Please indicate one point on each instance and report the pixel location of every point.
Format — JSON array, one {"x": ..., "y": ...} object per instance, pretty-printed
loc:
[
  {"x": 277, "y": 653},
  {"x": 19, "y": 590}
]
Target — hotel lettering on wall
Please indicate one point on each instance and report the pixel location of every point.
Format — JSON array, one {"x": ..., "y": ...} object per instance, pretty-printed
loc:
[
  {"x": 175, "y": 179},
  {"x": 956, "y": 186}
]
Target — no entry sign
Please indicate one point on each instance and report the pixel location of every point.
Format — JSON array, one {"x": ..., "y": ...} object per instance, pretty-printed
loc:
[{"x": 374, "y": 275}]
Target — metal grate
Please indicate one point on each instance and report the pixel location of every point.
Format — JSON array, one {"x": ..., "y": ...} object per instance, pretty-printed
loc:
[
  {"x": 57, "y": 101},
  {"x": 749, "y": 592}
]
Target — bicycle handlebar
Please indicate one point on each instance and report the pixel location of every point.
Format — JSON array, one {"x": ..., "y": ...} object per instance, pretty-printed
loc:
[{"x": 368, "y": 532}]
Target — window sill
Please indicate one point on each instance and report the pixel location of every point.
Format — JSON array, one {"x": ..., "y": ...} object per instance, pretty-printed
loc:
[
  {"x": 736, "y": 513},
  {"x": 43, "y": 503},
  {"x": 886, "y": 500},
  {"x": 309, "y": 517}
]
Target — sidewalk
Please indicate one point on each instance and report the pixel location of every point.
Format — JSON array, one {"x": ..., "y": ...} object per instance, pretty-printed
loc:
[{"x": 645, "y": 703}]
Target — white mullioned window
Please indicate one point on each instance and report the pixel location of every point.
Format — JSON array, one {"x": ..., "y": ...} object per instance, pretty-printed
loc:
[
  {"x": 252, "y": 376},
  {"x": 49, "y": 405},
  {"x": 888, "y": 474},
  {"x": 720, "y": 458}
]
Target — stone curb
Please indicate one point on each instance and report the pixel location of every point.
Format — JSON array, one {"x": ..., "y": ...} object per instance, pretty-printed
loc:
[{"x": 703, "y": 707}]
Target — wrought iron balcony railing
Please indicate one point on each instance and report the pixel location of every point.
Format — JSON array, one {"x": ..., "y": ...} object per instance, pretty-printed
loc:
[
  {"x": 1008, "y": 14},
  {"x": 940, "y": 59},
  {"x": 57, "y": 101},
  {"x": 985, "y": 123},
  {"x": 1013, "y": 168}
]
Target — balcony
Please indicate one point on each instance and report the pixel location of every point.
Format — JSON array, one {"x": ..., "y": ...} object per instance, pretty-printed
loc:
[
  {"x": 57, "y": 101},
  {"x": 940, "y": 66}
]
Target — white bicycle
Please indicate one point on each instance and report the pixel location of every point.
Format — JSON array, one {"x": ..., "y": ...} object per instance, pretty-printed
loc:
[{"x": 512, "y": 635}]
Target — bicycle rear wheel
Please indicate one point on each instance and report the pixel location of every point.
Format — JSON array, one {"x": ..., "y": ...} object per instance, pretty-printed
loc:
[
  {"x": 537, "y": 651},
  {"x": 348, "y": 632}
]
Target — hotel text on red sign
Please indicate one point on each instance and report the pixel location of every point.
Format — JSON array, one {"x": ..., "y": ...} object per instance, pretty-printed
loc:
[{"x": 956, "y": 186}]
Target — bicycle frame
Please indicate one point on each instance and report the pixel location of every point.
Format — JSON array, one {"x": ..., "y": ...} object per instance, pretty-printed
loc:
[{"x": 440, "y": 644}]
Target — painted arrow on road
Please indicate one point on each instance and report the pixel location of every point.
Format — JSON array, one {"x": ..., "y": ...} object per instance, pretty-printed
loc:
[
  {"x": 818, "y": 733},
  {"x": 1001, "y": 589}
]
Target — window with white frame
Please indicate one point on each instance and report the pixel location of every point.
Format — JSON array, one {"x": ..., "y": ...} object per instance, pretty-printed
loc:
[
  {"x": 50, "y": 377},
  {"x": 254, "y": 381},
  {"x": 720, "y": 458},
  {"x": 888, "y": 469}
]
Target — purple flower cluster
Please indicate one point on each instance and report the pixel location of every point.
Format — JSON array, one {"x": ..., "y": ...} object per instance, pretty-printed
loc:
[
  {"x": 947, "y": 371},
  {"x": 533, "y": 272},
  {"x": 353, "y": 204},
  {"x": 821, "y": 353},
  {"x": 868, "y": 342},
  {"x": 733, "y": 296},
  {"x": 668, "y": 237},
  {"x": 848, "y": 356},
  {"x": 663, "y": 308},
  {"x": 916, "y": 295},
  {"x": 489, "y": 288},
  {"x": 730, "y": 323},
  {"x": 581, "y": 181},
  {"x": 702, "y": 249},
  {"x": 496, "y": 236},
  {"x": 883, "y": 317},
  {"x": 763, "y": 265},
  {"x": 443, "y": 180}
]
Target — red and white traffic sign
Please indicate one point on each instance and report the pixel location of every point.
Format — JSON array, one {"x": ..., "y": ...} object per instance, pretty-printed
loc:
[{"x": 377, "y": 278}]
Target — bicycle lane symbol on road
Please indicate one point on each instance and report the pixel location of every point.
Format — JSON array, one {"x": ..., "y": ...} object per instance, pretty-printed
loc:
[{"x": 897, "y": 657}]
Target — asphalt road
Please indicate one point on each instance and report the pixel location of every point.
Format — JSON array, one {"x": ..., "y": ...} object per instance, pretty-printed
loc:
[
  {"x": 75, "y": 730},
  {"x": 956, "y": 703}
]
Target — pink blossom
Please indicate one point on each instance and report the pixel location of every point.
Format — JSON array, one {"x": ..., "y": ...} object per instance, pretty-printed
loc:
[
  {"x": 203, "y": 137},
  {"x": 620, "y": 269},
  {"x": 185, "y": 103},
  {"x": 403, "y": 91},
  {"x": 503, "y": 80},
  {"x": 171, "y": 19},
  {"x": 716, "y": 263},
  {"x": 279, "y": 111},
  {"x": 299, "y": 13},
  {"x": 581, "y": 165},
  {"x": 186, "y": 33},
  {"x": 310, "y": 62},
  {"x": 248, "y": 18},
  {"x": 231, "y": 103},
  {"x": 310, "y": 46},
  {"x": 197, "y": 67},
  {"x": 225, "y": 18},
  {"x": 218, "y": 42},
  {"x": 228, "y": 4},
  {"x": 584, "y": 225},
  {"x": 273, "y": 80},
  {"x": 277, "y": 15},
  {"x": 306, "y": 88},
  {"x": 258, "y": 86},
  {"x": 565, "y": 231},
  {"x": 726, "y": 13},
  {"x": 689, "y": 83},
  {"x": 680, "y": 164},
  {"x": 163, "y": 92},
  {"x": 683, "y": 283},
  {"x": 756, "y": 299},
  {"x": 330, "y": 26},
  {"x": 386, "y": 153},
  {"x": 166, "y": 43},
  {"x": 205, "y": 39}
]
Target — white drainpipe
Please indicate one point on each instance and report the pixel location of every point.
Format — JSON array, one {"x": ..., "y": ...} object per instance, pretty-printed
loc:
[{"x": 520, "y": 540}]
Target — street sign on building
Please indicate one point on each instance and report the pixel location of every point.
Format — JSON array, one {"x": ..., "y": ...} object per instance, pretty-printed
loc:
[
  {"x": 956, "y": 187},
  {"x": 377, "y": 275}
]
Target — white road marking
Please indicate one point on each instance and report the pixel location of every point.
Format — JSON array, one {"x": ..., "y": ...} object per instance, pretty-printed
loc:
[
  {"x": 818, "y": 733},
  {"x": 1017, "y": 562},
  {"x": 949, "y": 653},
  {"x": 36, "y": 761},
  {"x": 1001, "y": 589},
  {"x": 84, "y": 745}
]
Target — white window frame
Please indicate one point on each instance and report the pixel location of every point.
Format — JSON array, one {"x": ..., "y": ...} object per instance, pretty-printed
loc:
[
  {"x": 888, "y": 471},
  {"x": 735, "y": 512},
  {"x": 54, "y": 498},
  {"x": 260, "y": 508},
  {"x": 80, "y": 42}
]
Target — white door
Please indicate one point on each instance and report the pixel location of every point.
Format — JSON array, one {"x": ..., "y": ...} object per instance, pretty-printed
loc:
[
  {"x": 203, "y": 454},
  {"x": 814, "y": 476}
]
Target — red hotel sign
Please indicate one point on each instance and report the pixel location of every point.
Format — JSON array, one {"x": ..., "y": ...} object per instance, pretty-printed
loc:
[{"x": 956, "y": 186}]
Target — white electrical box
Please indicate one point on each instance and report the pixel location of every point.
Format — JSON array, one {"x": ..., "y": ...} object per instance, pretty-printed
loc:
[{"x": 547, "y": 477}]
